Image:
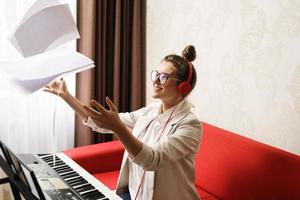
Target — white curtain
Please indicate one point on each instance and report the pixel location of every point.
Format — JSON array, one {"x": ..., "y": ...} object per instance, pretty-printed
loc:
[{"x": 26, "y": 122}]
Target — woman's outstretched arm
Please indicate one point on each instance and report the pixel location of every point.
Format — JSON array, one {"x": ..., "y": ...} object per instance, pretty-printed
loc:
[{"x": 60, "y": 88}]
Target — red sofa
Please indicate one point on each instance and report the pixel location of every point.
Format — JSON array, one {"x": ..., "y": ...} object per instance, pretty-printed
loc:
[{"x": 228, "y": 166}]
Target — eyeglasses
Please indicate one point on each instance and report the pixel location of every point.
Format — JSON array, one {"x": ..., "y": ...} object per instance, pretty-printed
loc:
[{"x": 163, "y": 77}]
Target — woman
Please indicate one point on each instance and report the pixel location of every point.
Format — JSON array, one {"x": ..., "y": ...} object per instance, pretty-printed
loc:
[{"x": 161, "y": 139}]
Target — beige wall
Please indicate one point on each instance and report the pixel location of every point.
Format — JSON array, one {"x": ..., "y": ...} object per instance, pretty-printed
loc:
[{"x": 248, "y": 62}]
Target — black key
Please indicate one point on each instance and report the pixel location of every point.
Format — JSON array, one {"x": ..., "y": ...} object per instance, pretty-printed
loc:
[
  {"x": 74, "y": 179},
  {"x": 58, "y": 163},
  {"x": 63, "y": 170},
  {"x": 63, "y": 167},
  {"x": 95, "y": 197},
  {"x": 79, "y": 182},
  {"x": 84, "y": 188},
  {"x": 93, "y": 194},
  {"x": 69, "y": 175}
]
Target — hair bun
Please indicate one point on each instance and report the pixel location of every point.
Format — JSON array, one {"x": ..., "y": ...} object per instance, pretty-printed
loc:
[{"x": 189, "y": 53}]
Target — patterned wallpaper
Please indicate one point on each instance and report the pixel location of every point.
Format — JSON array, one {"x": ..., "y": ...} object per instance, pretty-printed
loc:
[{"x": 248, "y": 62}]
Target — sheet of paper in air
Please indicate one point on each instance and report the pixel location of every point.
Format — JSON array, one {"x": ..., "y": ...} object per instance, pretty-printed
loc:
[
  {"x": 35, "y": 72},
  {"x": 46, "y": 25}
]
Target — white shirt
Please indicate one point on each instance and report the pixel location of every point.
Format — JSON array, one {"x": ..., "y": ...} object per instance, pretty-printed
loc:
[{"x": 169, "y": 163}]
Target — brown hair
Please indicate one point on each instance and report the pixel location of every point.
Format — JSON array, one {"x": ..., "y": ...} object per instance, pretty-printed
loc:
[{"x": 181, "y": 64}]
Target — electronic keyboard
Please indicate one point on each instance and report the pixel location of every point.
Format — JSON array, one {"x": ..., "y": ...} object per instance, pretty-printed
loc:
[{"x": 61, "y": 178}]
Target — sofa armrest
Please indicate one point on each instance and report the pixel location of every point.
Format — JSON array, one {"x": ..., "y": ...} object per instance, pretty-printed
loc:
[{"x": 98, "y": 158}]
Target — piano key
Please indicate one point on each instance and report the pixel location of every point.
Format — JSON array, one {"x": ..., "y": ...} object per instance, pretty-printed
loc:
[
  {"x": 80, "y": 185},
  {"x": 63, "y": 174},
  {"x": 60, "y": 171},
  {"x": 77, "y": 182},
  {"x": 75, "y": 178},
  {"x": 84, "y": 188},
  {"x": 58, "y": 165},
  {"x": 69, "y": 174},
  {"x": 81, "y": 182},
  {"x": 87, "y": 192},
  {"x": 93, "y": 193},
  {"x": 62, "y": 167}
]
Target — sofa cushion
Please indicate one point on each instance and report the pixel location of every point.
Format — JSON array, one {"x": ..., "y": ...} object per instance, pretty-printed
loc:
[
  {"x": 231, "y": 166},
  {"x": 108, "y": 178},
  {"x": 98, "y": 158}
]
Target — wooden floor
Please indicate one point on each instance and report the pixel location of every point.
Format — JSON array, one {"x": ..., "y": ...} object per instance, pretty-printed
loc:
[{"x": 5, "y": 192}]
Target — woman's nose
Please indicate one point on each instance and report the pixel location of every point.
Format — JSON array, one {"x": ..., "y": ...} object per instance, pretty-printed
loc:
[{"x": 157, "y": 81}]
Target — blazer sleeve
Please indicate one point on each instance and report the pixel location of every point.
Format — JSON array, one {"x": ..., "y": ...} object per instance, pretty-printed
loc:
[
  {"x": 184, "y": 141},
  {"x": 128, "y": 118}
]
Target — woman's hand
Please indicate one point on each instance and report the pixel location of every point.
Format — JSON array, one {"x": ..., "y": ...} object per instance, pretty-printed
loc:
[
  {"x": 107, "y": 119},
  {"x": 58, "y": 87}
]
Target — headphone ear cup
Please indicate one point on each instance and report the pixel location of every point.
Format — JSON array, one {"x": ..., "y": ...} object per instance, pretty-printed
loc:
[{"x": 184, "y": 88}]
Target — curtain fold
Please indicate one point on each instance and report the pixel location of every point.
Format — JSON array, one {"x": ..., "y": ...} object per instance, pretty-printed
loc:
[
  {"x": 112, "y": 34},
  {"x": 86, "y": 18}
]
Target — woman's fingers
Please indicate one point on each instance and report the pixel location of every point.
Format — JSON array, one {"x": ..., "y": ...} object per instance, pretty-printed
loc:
[
  {"x": 93, "y": 113},
  {"x": 49, "y": 90},
  {"x": 46, "y": 90},
  {"x": 103, "y": 118},
  {"x": 98, "y": 106},
  {"x": 111, "y": 105},
  {"x": 57, "y": 87}
]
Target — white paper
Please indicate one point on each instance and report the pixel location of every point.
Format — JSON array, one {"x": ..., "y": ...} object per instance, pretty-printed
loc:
[
  {"x": 46, "y": 25},
  {"x": 37, "y": 6},
  {"x": 35, "y": 72}
]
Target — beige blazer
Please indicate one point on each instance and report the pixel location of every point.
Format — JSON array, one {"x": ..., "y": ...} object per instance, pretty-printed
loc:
[{"x": 171, "y": 160}]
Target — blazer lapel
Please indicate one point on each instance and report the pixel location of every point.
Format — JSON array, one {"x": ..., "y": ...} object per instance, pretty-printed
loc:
[
  {"x": 142, "y": 126},
  {"x": 177, "y": 118}
]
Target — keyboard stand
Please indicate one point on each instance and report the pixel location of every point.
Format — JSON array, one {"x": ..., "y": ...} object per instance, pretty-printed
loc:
[{"x": 17, "y": 187}]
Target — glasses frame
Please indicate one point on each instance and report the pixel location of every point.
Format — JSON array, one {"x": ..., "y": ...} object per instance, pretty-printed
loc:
[{"x": 159, "y": 75}]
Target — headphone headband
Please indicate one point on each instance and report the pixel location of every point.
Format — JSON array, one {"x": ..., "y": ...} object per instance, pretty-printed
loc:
[{"x": 190, "y": 72}]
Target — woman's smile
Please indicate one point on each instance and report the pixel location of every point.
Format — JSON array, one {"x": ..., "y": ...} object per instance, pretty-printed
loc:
[{"x": 156, "y": 89}]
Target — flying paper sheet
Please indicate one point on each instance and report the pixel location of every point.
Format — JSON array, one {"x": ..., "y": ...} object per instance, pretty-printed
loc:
[
  {"x": 35, "y": 72},
  {"x": 46, "y": 25}
]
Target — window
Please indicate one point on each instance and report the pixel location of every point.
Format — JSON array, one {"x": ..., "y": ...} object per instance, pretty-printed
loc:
[{"x": 27, "y": 122}]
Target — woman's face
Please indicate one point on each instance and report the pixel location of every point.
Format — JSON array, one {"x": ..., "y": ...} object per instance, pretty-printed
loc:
[{"x": 165, "y": 91}]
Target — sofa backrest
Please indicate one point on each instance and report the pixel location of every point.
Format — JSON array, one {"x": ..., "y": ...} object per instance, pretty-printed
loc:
[{"x": 231, "y": 166}]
